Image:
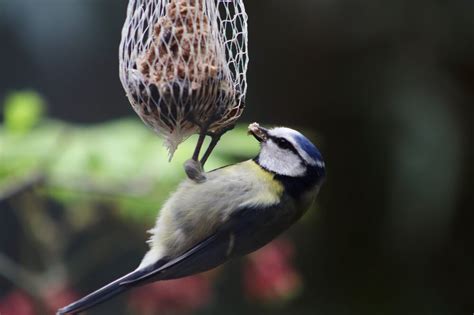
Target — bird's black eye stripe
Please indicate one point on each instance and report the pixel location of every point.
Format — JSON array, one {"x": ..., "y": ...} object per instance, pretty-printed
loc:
[{"x": 284, "y": 144}]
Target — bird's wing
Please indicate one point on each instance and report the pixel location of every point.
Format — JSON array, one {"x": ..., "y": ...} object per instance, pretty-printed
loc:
[
  {"x": 171, "y": 270},
  {"x": 247, "y": 230},
  {"x": 258, "y": 216}
]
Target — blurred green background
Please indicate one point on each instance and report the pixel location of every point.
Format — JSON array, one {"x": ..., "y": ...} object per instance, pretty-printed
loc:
[{"x": 386, "y": 90}]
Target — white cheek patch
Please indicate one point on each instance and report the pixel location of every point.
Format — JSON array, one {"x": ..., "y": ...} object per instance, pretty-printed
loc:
[{"x": 280, "y": 161}]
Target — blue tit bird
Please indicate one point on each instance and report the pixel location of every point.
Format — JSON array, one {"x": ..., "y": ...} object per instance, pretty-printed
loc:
[{"x": 232, "y": 211}]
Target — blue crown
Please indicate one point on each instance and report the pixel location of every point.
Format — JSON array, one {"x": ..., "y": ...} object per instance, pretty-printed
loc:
[{"x": 309, "y": 148}]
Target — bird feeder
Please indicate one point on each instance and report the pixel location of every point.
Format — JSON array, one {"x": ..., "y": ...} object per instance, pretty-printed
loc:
[{"x": 183, "y": 65}]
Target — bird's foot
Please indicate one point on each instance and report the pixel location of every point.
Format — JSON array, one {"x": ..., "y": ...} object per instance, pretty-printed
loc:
[{"x": 194, "y": 171}]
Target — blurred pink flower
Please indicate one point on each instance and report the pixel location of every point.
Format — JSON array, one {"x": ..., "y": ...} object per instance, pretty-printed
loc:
[
  {"x": 269, "y": 275},
  {"x": 55, "y": 297},
  {"x": 181, "y": 296},
  {"x": 17, "y": 303}
]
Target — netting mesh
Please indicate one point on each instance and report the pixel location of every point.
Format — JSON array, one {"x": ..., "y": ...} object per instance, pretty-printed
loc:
[{"x": 183, "y": 64}]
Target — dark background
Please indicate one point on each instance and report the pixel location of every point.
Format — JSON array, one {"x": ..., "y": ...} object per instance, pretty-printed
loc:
[{"x": 387, "y": 87}]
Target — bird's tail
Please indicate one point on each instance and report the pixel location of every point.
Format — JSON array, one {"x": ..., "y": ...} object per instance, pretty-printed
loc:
[{"x": 101, "y": 295}]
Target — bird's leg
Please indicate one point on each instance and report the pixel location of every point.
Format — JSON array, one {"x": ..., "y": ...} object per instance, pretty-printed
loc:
[
  {"x": 193, "y": 167},
  {"x": 214, "y": 140},
  {"x": 202, "y": 135},
  {"x": 204, "y": 127},
  {"x": 215, "y": 137},
  {"x": 200, "y": 142}
]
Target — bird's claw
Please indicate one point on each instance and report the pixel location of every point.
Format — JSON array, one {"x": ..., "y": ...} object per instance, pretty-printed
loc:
[{"x": 194, "y": 171}]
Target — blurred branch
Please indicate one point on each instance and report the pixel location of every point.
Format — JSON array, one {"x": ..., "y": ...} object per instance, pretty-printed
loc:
[
  {"x": 19, "y": 276},
  {"x": 22, "y": 185}
]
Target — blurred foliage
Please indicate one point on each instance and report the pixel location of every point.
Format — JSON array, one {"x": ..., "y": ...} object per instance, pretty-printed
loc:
[
  {"x": 120, "y": 162},
  {"x": 23, "y": 110}
]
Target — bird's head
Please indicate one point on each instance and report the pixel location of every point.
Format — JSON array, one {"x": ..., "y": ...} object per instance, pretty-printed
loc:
[{"x": 286, "y": 152}]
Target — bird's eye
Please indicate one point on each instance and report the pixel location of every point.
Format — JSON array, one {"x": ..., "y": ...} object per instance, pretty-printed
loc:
[{"x": 283, "y": 143}]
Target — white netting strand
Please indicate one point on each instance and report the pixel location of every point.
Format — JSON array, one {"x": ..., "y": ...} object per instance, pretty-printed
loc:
[{"x": 183, "y": 64}]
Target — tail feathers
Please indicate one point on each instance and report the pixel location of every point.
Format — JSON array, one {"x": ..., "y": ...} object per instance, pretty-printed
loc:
[{"x": 99, "y": 296}]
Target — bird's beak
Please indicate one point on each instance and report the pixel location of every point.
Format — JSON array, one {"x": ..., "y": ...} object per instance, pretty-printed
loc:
[{"x": 260, "y": 133}]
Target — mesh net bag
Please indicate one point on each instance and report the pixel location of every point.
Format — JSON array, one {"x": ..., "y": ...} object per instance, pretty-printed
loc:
[{"x": 183, "y": 65}]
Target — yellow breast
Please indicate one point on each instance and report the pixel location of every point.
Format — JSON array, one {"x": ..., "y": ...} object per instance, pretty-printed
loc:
[{"x": 265, "y": 189}]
